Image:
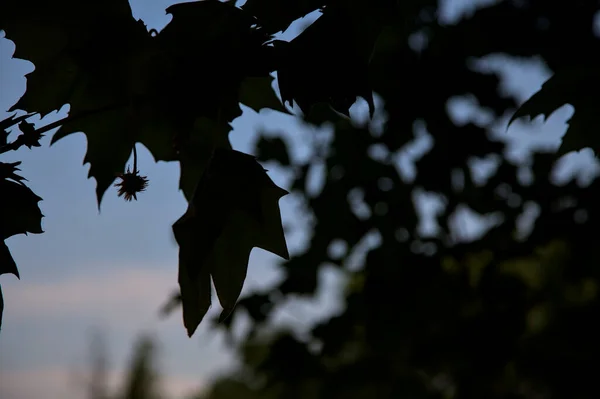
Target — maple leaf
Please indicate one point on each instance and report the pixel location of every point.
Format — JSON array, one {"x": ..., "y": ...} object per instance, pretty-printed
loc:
[
  {"x": 19, "y": 211},
  {"x": 234, "y": 209},
  {"x": 257, "y": 93},
  {"x": 194, "y": 156},
  {"x": 19, "y": 214},
  {"x": 577, "y": 86},
  {"x": 92, "y": 57}
]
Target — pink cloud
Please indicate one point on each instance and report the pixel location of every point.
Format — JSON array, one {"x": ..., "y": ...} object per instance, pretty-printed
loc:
[
  {"x": 115, "y": 297},
  {"x": 62, "y": 383},
  {"x": 133, "y": 294}
]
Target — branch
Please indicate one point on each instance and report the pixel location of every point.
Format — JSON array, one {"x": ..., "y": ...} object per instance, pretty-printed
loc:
[{"x": 69, "y": 118}]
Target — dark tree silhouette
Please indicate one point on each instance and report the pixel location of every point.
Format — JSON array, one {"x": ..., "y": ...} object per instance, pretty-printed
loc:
[{"x": 509, "y": 314}]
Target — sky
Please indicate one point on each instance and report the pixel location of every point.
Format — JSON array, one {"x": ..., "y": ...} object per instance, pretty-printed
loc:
[{"x": 114, "y": 269}]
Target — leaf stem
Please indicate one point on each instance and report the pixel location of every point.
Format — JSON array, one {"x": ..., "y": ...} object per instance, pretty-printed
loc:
[
  {"x": 134, "y": 159},
  {"x": 10, "y": 147}
]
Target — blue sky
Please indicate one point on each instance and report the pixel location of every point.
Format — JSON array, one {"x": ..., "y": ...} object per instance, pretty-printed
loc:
[{"x": 112, "y": 270}]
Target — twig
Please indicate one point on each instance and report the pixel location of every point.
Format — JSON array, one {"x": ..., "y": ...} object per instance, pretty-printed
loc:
[{"x": 69, "y": 118}]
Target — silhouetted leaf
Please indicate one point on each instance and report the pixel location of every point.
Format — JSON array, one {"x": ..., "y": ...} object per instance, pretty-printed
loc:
[
  {"x": 106, "y": 134},
  {"x": 19, "y": 211},
  {"x": 58, "y": 39},
  {"x": 257, "y": 93},
  {"x": 79, "y": 62},
  {"x": 230, "y": 213},
  {"x": 7, "y": 263},
  {"x": 577, "y": 87},
  {"x": 19, "y": 214},
  {"x": 195, "y": 155},
  {"x": 342, "y": 72},
  {"x": 8, "y": 171}
]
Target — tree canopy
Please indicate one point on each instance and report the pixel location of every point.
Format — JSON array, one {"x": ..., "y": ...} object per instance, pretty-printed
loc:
[{"x": 508, "y": 314}]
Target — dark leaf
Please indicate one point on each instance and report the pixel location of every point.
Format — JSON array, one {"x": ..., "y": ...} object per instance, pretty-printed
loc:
[
  {"x": 342, "y": 71},
  {"x": 99, "y": 72},
  {"x": 106, "y": 134},
  {"x": 19, "y": 214},
  {"x": 577, "y": 87},
  {"x": 234, "y": 208},
  {"x": 7, "y": 171},
  {"x": 7, "y": 263},
  {"x": 562, "y": 88},
  {"x": 77, "y": 60},
  {"x": 19, "y": 211},
  {"x": 195, "y": 155},
  {"x": 257, "y": 93}
]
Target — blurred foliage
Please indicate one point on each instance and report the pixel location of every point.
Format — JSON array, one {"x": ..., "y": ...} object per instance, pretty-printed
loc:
[
  {"x": 141, "y": 376},
  {"x": 507, "y": 314},
  {"x": 97, "y": 384}
]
